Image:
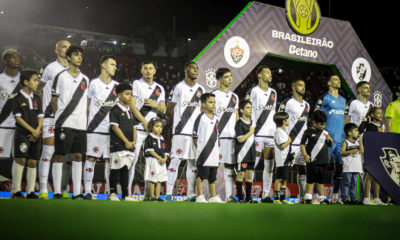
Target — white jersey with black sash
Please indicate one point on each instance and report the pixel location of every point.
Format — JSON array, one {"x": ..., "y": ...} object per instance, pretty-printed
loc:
[
  {"x": 49, "y": 75},
  {"x": 316, "y": 146},
  {"x": 206, "y": 131},
  {"x": 9, "y": 89},
  {"x": 298, "y": 112},
  {"x": 72, "y": 101},
  {"x": 264, "y": 106},
  {"x": 245, "y": 151},
  {"x": 187, "y": 108},
  {"x": 102, "y": 98},
  {"x": 226, "y": 104},
  {"x": 352, "y": 162},
  {"x": 358, "y": 112},
  {"x": 141, "y": 90}
]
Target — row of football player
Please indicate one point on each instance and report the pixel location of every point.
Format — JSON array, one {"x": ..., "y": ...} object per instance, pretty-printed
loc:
[{"x": 263, "y": 74}]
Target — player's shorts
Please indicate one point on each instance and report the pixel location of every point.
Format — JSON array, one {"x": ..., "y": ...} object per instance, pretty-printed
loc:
[
  {"x": 154, "y": 171},
  {"x": 245, "y": 166},
  {"x": 316, "y": 173},
  {"x": 69, "y": 141},
  {"x": 227, "y": 151},
  {"x": 23, "y": 148},
  {"x": 6, "y": 143},
  {"x": 334, "y": 153},
  {"x": 183, "y": 147},
  {"x": 283, "y": 172},
  {"x": 48, "y": 131},
  {"x": 264, "y": 142},
  {"x": 120, "y": 159},
  {"x": 299, "y": 159},
  {"x": 98, "y": 145},
  {"x": 209, "y": 173}
]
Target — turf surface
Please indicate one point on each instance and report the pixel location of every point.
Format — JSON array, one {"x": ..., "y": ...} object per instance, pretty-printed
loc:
[{"x": 68, "y": 219}]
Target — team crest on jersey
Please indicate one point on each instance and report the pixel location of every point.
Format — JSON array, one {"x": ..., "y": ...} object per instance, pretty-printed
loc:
[
  {"x": 62, "y": 136},
  {"x": 163, "y": 145},
  {"x": 131, "y": 114},
  {"x": 234, "y": 99},
  {"x": 273, "y": 96},
  {"x": 35, "y": 105},
  {"x": 23, "y": 147},
  {"x": 282, "y": 107},
  {"x": 211, "y": 79},
  {"x": 83, "y": 85},
  {"x": 391, "y": 163},
  {"x": 179, "y": 151},
  {"x": 23, "y": 104},
  {"x": 198, "y": 93},
  {"x": 95, "y": 149},
  {"x": 114, "y": 92},
  {"x": 158, "y": 92},
  {"x": 342, "y": 102},
  {"x": 220, "y": 156}
]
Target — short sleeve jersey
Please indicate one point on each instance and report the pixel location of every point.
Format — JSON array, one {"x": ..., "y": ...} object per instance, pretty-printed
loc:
[
  {"x": 281, "y": 136},
  {"x": 226, "y": 104},
  {"x": 334, "y": 109},
  {"x": 156, "y": 144},
  {"x": 29, "y": 108},
  {"x": 298, "y": 112},
  {"x": 9, "y": 88},
  {"x": 125, "y": 120},
  {"x": 206, "y": 131},
  {"x": 72, "y": 100},
  {"x": 102, "y": 98},
  {"x": 358, "y": 113},
  {"x": 245, "y": 151},
  {"x": 316, "y": 146},
  {"x": 49, "y": 74},
  {"x": 264, "y": 107},
  {"x": 393, "y": 112},
  {"x": 141, "y": 90},
  {"x": 187, "y": 108}
]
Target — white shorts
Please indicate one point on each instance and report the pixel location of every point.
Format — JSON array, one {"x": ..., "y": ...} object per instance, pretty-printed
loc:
[
  {"x": 154, "y": 171},
  {"x": 6, "y": 142},
  {"x": 120, "y": 159},
  {"x": 98, "y": 145},
  {"x": 183, "y": 147},
  {"x": 264, "y": 142},
  {"x": 227, "y": 151},
  {"x": 298, "y": 157},
  {"x": 48, "y": 131}
]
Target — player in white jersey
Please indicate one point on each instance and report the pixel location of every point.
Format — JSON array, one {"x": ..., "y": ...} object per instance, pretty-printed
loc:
[
  {"x": 226, "y": 109},
  {"x": 263, "y": 99},
  {"x": 49, "y": 74},
  {"x": 148, "y": 99},
  {"x": 184, "y": 107},
  {"x": 69, "y": 102},
  {"x": 298, "y": 110},
  {"x": 9, "y": 88},
  {"x": 102, "y": 97}
]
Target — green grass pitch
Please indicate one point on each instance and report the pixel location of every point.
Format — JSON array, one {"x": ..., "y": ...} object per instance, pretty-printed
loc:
[{"x": 68, "y": 219}]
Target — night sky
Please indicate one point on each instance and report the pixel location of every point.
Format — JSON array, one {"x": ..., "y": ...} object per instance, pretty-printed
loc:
[{"x": 376, "y": 24}]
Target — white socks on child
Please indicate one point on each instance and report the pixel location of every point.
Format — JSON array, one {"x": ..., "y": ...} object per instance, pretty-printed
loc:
[
  {"x": 191, "y": 177},
  {"x": 228, "y": 178},
  {"x": 88, "y": 176},
  {"x": 107, "y": 177},
  {"x": 17, "y": 177},
  {"x": 172, "y": 172},
  {"x": 267, "y": 177},
  {"x": 44, "y": 167},
  {"x": 57, "y": 175},
  {"x": 30, "y": 179},
  {"x": 76, "y": 177}
]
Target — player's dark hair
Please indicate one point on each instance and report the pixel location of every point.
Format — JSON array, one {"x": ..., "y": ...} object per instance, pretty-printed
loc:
[
  {"x": 26, "y": 74},
  {"x": 295, "y": 81},
  {"x": 349, "y": 127},
  {"x": 73, "y": 49},
  {"x": 360, "y": 84},
  {"x": 279, "y": 117},
  {"x": 122, "y": 87},
  {"x": 153, "y": 122},
  {"x": 373, "y": 110},
  {"x": 244, "y": 103},
  {"x": 148, "y": 62},
  {"x": 206, "y": 96},
  {"x": 187, "y": 64},
  {"x": 260, "y": 68},
  {"x": 220, "y": 72},
  {"x": 319, "y": 116},
  {"x": 106, "y": 57}
]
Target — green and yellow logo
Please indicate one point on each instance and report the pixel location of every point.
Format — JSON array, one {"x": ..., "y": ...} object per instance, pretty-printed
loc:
[{"x": 303, "y": 15}]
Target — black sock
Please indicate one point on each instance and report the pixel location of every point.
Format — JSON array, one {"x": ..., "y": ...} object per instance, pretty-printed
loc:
[
  {"x": 124, "y": 181},
  {"x": 113, "y": 180},
  {"x": 276, "y": 195},
  {"x": 248, "y": 190},
  {"x": 239, "y": 190},
  {"x": 283, "y": 193}
]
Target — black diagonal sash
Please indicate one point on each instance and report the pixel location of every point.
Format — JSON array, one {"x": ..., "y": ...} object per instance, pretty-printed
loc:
[
  {"x": 264, "y": 114},
  {"x": 144, "y": 110},
  {"x": 187, "y": 113},
  {"x": 72, "y": 104},
  {"x": 299, "y": 125},
  {"x": 48, "y": 112},
  {"x": 7, "y": 108},
  {"x": 102, "y": 113},
  {"x": 227, "y": 115},
  {"x": 205, "y": 153}
]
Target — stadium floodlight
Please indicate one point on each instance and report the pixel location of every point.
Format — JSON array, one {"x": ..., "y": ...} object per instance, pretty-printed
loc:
[
  {"x": 189, "y": 39},
  {"x": 123, "y": 44},
  {"x": 2, "y": 12},
  {"x": 115, "y": 42},
  {"x": 69, "y": 36}
]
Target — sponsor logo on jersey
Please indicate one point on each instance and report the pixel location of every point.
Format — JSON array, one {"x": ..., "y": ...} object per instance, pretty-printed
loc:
[
  {"x": 102, "y": 103},
  {"x": 266, "y": 107},
  {"x": 8, "y": 96},
  {"x": 338, "y": 112},
  {"x": 225, "y": 109},
  {"x": 303, "y": 16}
]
